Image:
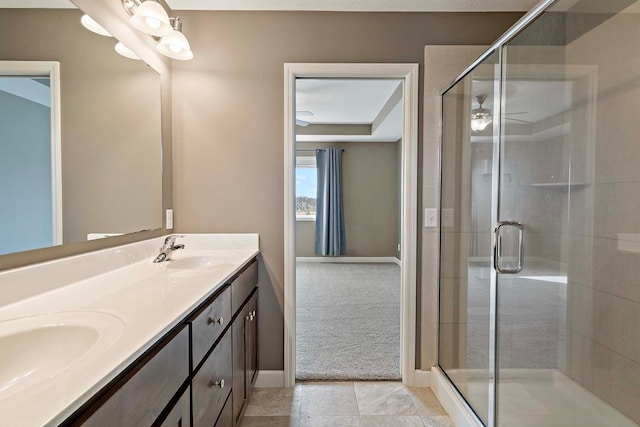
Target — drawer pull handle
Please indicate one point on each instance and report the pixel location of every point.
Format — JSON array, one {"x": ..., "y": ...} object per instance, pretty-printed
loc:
[
  {"x": 211, "y": 320},
  {"x": 217, "y": 383}
]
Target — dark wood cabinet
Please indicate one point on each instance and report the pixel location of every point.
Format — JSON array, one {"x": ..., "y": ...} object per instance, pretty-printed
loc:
[
  {"x": 180, "y": 413},
  {"x": 251, "y": 344},
  {"x": 139, "y": 396},
  {"x": 199, "y": 374},
  {"x": 245, "y": 357},
  {"x": 212, "y": 384}
]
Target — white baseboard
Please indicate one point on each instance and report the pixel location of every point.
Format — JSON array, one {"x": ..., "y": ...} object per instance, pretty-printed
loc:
[
  {"x": 349, "y": 259},
  {"x": 458, "y": 410},
  {"x": 422, "y": 378},
  {"x": 270, "y": 379}
]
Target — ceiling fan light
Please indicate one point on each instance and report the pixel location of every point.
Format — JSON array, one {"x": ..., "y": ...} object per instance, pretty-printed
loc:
[
  {"x": 151, "y": 18},
  {"x": 90, "y": 24},
  {"x": 480, "y": 124},
  {"x": 176, "y": 46}
]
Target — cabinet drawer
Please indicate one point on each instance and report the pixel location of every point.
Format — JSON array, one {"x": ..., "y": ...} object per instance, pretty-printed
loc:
[
  {"x": 226, "y": 416},
  {"x": 243, "y": 285},
  {"x": 212, "y": 384},
  {"x": 180, "y": 415},
  {"x": 209, "y": 324},
  {"x": 141, "y": 399}
]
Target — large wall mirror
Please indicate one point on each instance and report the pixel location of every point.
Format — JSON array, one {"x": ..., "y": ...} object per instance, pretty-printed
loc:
[{"x": 80, "y": 132}]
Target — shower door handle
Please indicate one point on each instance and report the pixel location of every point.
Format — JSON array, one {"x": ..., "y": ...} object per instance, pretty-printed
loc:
[{"x": 497, "y": 247}]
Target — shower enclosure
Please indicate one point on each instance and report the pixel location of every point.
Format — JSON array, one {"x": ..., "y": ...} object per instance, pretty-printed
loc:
[{"x": 540, "y": 221}]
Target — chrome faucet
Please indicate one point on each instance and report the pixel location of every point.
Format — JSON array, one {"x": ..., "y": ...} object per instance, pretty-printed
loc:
[{"x": 168, "y": 248}]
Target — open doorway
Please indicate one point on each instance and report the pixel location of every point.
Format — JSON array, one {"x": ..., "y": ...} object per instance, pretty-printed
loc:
[
  {"x": 350, "y": 256},
  {"x": 30, "y": 155},
  {"x": 348, "y": 228}
]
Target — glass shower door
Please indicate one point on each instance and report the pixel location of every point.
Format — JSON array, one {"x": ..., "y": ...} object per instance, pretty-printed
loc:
[{"x": 466, "y": 338}]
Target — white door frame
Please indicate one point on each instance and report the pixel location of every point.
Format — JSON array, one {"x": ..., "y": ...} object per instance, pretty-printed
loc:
[
  {"x": 49, "y": 69},
  {"x": 409, "y": 74}
]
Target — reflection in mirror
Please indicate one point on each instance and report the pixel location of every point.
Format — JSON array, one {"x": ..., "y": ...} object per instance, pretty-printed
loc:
[{"x": 80, "y": 153}]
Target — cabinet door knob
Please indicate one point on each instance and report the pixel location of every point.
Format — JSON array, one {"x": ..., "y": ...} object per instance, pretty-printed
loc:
[
  {"x": 211, "y": 320},
  {"x": 217, "y": 383}
]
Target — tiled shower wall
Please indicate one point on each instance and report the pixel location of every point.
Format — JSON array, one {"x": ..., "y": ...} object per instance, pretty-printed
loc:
[{"x": 603, "y": 331}]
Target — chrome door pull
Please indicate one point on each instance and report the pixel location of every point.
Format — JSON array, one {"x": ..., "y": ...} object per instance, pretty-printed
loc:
[{"x": 497, "y": 247}]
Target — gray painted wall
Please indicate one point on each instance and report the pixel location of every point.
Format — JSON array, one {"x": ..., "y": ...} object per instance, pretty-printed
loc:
[
  {"x": 370, "y": 198},
  {"x": 25, "y": 171},
  {"x": 228, "y": 107}
]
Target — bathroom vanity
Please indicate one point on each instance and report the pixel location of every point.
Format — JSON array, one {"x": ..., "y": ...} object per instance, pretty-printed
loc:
[{"x": 133, "y": 343}]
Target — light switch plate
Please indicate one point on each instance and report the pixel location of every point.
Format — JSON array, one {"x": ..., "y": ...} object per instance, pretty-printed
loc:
[
  {"x": 169, "y": 219},
  {"x": 430, "y": 218}
]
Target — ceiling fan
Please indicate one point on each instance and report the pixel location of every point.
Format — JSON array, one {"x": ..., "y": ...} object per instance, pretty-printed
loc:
[
  {"x": 481, "y": 117},
  {"x": 300, "y": 122}
]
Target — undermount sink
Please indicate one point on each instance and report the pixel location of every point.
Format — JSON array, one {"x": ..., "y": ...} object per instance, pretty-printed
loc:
[
  {"x": 196, "y": 262},
  {"x": 39, "y": 347}
]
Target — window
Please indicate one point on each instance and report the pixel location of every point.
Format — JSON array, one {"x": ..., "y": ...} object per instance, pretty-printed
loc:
[{"x": 306, "y": 186}]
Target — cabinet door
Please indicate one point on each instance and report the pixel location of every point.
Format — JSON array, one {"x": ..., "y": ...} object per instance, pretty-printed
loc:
[
  {"x": 210, "y": 385},
  {"x": 251, "y": 344},
  {"x": 239, "y": 396}
]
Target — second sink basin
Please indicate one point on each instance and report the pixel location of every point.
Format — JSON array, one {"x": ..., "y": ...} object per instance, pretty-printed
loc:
[{"x": 37, "y": 348}]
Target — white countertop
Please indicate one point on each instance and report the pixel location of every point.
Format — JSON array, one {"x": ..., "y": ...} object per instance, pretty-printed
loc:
[{"x": 141, "y": 301}]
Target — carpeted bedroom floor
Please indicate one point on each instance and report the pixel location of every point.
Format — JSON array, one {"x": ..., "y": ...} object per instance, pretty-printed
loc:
[{"x": 347, "y": 321}]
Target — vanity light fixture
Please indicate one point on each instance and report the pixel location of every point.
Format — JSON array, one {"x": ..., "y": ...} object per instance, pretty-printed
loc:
[
  {"x": 90, "y": 24},
  {"x": 480, "y": 117},
  {"x": 126, "y": 52},
  {"x": 175, "y": 45},
  {"x": 151, "y": 18}
]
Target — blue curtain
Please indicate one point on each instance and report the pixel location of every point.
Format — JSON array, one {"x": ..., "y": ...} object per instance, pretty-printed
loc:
[{"x": 330, "y": 239}]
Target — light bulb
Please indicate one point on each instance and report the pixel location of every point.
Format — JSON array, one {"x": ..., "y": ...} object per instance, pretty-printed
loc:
[
  {"x": 151, "y": 18},
  {"x": 176, "y": 46},
  {"x": 152, "y": 22}
]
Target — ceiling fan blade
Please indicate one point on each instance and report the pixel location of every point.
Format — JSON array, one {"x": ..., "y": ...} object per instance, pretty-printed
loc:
[
  {"x": 304, "y": 114},
  {"x": 301, "y": 123},
  {"x": 517, "y": 120}
]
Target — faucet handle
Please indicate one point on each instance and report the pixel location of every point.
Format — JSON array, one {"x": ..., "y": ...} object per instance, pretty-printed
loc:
[{"x": 172, "y": 238}]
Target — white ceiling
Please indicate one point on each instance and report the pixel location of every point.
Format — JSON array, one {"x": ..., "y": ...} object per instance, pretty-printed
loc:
[
  {"x": 351, "y": 101},
  {"x": 339, "y": 101},
  {"x": 36, "y": 4},
  {"x": 358, "y": 5}
]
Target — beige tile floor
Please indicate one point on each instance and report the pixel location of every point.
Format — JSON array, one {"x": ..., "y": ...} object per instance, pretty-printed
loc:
[{"x": 320, "y": 404}]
